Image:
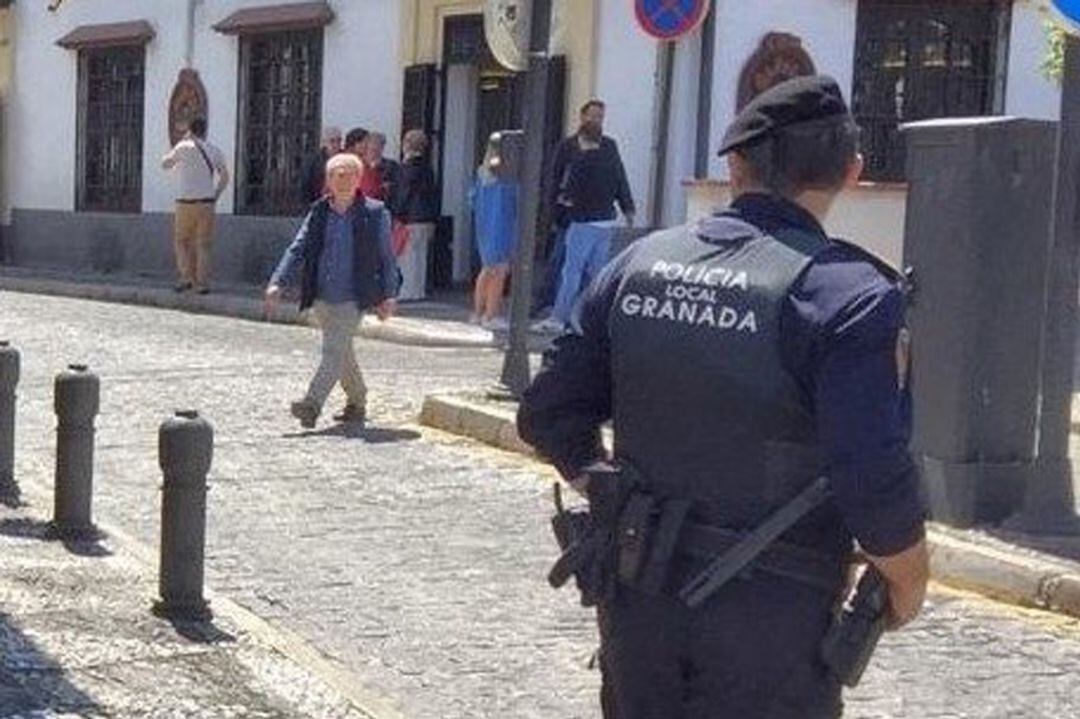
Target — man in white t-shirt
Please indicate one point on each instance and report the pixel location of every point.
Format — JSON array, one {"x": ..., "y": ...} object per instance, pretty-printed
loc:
[{"x": 202, "y": 176}]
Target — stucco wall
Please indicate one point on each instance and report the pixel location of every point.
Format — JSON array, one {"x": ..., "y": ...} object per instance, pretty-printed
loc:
[
  {"x": 361, "y": 86},
  {"x": 625, "y": 69},
  {"x": 1028, "y": 93},
  {"x": 827, "y": 28},
  {"x": 871, "y": 216}
]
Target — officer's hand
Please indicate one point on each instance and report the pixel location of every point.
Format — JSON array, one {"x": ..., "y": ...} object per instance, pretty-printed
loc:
[
  {"x": 906, "y": 575},
  {"x": 270, "y": 300},
  {"x": 580, "y": 484},
  {"x": 385, "y": 309}
]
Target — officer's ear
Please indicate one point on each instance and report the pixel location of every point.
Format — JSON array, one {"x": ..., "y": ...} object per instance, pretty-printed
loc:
[
  {"x": 854, "y": 171},
  {"x": 742, "y": 175}
]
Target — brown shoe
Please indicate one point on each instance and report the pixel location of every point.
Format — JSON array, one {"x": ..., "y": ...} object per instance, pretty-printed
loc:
[
  {"x": 351, "y": 413},
  {"x": 306, "y": 412}
]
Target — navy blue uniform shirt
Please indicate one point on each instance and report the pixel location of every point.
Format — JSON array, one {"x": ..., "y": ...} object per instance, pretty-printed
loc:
[{"x": 840, "y": 330}]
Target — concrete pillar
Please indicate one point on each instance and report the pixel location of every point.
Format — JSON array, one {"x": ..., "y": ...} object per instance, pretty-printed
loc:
[
  {"x": 9, "y": 379},
  {"x": 977, "y": 237},
  {"x": 185, "y": 451},
  {"x": 76, "y": 400}
]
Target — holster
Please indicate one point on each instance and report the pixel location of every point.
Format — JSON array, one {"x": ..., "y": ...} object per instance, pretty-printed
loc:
[
  {"x": 856, "y": 629},
  {"x": 627, "y": 536}
]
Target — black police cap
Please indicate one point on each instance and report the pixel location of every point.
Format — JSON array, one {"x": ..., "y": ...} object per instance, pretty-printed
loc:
[{"x": 793, "y": 103}]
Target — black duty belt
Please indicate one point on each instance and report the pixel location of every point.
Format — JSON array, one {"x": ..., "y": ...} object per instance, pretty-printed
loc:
[
  {"x": 783, "y": 559},
  {"x": 196, "y": 202},
  {"x": 755, "y": 544}
]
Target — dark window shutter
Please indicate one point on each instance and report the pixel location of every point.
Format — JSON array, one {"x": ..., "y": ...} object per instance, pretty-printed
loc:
[
  {"x": 419, "y": 98},
  {"x": 555, "y": 128}
]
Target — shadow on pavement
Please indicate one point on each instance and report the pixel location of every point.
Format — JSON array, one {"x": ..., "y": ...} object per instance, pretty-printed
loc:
[
  {"x": 34, "y": 684},
  {"x": 43, "y": 531},
  {"x": 201, "y": 632},
  {"x": 1062, "y": 547},
  {"x": 370, "y": 435}
]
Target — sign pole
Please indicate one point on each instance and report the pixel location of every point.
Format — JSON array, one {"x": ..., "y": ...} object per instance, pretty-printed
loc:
[{"x": 515, "y": 370}]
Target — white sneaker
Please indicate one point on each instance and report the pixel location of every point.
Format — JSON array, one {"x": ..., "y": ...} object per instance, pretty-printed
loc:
[
  {"x": 549, "y": 326},
  {"x": 496, "y": 324}
]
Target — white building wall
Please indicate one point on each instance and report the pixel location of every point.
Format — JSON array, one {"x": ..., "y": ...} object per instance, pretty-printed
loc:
[
  {"x": 625, "y": 80},
  {"x": 361, "y": 86},
  {"x": 1028, "y": 93},
  {"x": 682, "y": 134},
  {"x": 827, "y": 29}
]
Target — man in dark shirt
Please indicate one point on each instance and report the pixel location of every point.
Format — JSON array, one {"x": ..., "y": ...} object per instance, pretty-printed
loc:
[
  {"x": 586, "y": 181},
  {"x": 315, "y": 165},
  {"x": 740, "y": 359}
]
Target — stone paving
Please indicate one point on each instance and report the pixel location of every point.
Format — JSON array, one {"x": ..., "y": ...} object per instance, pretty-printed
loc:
[
  {"x": 414, "y": 558},
  {"x": 77, "y": 639}
]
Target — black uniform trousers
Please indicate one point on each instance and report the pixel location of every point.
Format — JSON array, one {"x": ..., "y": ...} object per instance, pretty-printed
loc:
[{"x": 750, "y": 652}]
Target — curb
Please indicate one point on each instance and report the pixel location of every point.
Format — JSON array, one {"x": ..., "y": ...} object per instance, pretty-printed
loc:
[
  {"x": 399, "y": 330},
  {"x": 285, "y": 642},
  {"x": 987, "y": 566}
]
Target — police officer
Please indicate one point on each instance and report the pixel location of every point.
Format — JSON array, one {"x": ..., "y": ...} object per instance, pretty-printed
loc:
[{"x": 740, "y": 359}]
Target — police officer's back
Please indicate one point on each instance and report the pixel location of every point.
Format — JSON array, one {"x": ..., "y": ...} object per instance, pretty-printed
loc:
[{"x": 741, "y": 359}]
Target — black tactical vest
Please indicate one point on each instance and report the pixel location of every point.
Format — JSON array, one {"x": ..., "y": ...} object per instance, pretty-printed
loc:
[{"x": 703, "y": 406}]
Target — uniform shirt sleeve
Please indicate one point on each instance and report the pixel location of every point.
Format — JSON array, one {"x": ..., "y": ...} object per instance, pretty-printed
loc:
[
  {"x": 563, "y": 409},
  {"x": 841, "y": 329}
]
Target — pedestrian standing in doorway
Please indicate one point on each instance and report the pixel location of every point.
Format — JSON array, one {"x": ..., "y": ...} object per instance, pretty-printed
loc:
[
  {"x": 354, "y": 142},
  {"x": 344, "y": 264},
  {"x": 315, "y": 165},
  {"x": 201, "y": 175},
  {"x": 382, "y": 176},
  {"x": 495, "y": 202},
  {"x": 589, "y": 180},
  {"x": 418, "y": 208}
]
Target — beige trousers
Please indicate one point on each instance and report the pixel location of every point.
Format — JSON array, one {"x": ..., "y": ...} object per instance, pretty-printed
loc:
[
  {"x": 193, "y": 239},
  {"x": 338, "y": 362}
]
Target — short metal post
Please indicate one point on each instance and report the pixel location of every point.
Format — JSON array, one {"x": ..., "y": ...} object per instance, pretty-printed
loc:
[
  {"x": 9, "y": 379},
  {"x": 185, "y": 450},
  {"x": 76, "y": 399}
]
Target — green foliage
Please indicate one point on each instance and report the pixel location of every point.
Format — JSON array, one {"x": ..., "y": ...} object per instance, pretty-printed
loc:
[{"x": 1053, "y": 64}]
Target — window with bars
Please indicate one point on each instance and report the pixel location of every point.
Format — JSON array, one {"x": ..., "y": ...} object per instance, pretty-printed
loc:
[
  {"x": 110, "y": 129},
  {"x": 921, "y": 59},
  {"x": 280, "y": 115}
]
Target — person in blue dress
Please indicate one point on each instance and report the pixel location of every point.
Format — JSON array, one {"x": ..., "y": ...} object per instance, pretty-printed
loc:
[{"x": 495, "y": 218}]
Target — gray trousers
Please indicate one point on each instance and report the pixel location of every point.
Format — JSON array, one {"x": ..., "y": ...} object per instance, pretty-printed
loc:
[{"x": 339, "y": 323}]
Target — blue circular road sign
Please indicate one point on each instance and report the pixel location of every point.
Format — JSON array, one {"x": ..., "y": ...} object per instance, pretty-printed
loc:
[
  {"x": 1069, "y": 8},
  {"x": 671, "y": 19}
]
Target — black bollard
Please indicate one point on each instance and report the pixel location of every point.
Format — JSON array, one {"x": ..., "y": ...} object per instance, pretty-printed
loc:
[
  {"x": 185, "y": 449},
  {"x": 9, "y": 379},
  {"x": 76, "y": 400}
]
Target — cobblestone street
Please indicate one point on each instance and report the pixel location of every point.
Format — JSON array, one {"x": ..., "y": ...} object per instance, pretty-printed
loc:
[{"x": 414, "y": 558}]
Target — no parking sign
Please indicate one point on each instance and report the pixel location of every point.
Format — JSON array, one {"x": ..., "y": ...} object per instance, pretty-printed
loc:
[
  {"x": 1069, "y": 8},
  {"x": 671, "y": 19}
]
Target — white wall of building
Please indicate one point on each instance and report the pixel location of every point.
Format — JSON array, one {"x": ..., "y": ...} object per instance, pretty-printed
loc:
[
  {"x": 361, "y": 86},
  {"x": 625, "y": 80},
  {"x": 1028, "y": 93},
  {"x": 682, "y": 131},
  {"x": 827, "y": 29}
]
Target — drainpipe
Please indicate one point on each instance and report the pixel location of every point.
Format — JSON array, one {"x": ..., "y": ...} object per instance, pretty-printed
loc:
[
  {"x": 665, "y": 67},
  {"x": 189, "y": 38},
  {"x": 705, "y": 88}
]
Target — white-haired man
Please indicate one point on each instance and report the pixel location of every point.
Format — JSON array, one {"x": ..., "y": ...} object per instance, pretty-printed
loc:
[{"x": 345, "y": 265}]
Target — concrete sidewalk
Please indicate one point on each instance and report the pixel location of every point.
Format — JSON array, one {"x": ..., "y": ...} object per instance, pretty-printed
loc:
[
  {"x": 967, "y": 559},
  {"x": 421, "y": 324},
  {"x": 77, "y": 639}
]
